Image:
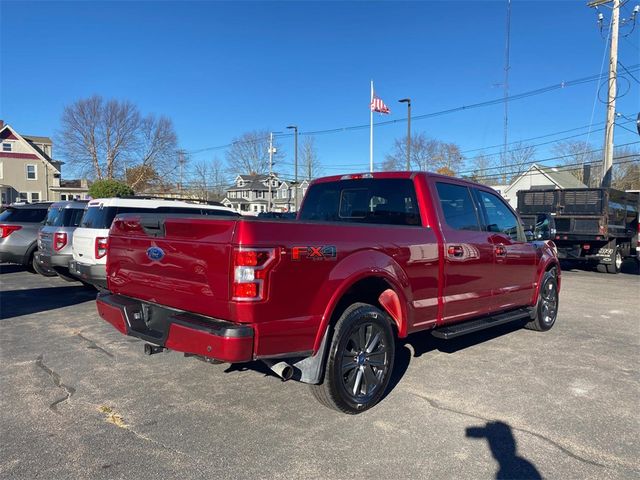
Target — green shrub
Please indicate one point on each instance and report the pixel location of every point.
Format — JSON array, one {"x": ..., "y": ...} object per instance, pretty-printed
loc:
[{"x": 109, "y": 188}]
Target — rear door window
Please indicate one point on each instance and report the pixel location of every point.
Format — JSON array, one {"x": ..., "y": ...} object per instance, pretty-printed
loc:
[
  {"x": 96, "y": 217},
  {"x": 457, "y": 206},
  {"x": 64, "y": 217},
  {"x": 23, "y": 215},
  {"x": 374, "y": 201}
]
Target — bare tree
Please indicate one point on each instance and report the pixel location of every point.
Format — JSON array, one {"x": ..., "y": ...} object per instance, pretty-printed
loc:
[
  {"x": 482, "y": 166},
  {"x": 514, "y": 161},
  {"x": 575, "y": 155},
  {"x": 207, "y": 179},
  {"x": 626, "y": 169},
  {"x": 249, "y": 153},
  {"x": 201, "y": 181},
  {"x": 426, "y": 154},
  {"x": 519, "y": 158},
  {"x": 104, "y": 139},
  {"x": 309, "y": 161}
]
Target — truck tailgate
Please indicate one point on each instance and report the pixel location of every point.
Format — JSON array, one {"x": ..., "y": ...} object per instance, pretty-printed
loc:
[{"x": 182, "y": 263}]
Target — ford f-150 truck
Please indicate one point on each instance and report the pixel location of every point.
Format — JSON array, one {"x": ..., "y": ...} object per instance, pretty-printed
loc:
[{"x": 322, "y": 298}]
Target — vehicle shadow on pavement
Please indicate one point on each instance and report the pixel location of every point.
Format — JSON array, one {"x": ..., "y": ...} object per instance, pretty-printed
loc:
[
  {"x": 423, "y": 342},
  {"x": 503, "y": 447},
  {"x": 14, "y": 303},
  {"x": 10, "y": 268}
]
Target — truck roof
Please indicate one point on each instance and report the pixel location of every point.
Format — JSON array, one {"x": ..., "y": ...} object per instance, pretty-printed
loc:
[
  {"x": 397, "y": 174},
  {"x": 152, "y": 203}
]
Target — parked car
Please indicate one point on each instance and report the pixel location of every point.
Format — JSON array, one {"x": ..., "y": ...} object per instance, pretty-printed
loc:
[
  {"x": 19, "y": 225},
  {"x": 56, "y": 235},
  {"x": 371, "y": 258},
  {"x": 89, "y": 245}
]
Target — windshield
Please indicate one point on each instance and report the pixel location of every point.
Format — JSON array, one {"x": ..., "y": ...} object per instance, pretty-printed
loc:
[
  {"x": 23, "y": 215},
  {"x": 64, "y": 217}
]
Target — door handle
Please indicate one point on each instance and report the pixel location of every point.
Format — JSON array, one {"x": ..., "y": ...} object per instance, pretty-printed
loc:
[
  {"x": 501, "y": 251},
  {"x": 455, "y": 251}
]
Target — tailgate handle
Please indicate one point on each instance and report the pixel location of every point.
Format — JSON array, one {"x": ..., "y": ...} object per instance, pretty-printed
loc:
[{"x": 153, "y": 227}]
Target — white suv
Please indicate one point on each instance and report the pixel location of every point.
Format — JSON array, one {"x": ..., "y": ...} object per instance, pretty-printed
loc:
[{"x": 90, "y": 238}]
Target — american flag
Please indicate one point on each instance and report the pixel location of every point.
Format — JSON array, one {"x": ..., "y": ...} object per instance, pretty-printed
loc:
[{"x": 377, "y": 105}]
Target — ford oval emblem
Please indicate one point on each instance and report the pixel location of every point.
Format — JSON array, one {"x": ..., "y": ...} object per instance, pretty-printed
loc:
[{"x": 155, "y": 253}]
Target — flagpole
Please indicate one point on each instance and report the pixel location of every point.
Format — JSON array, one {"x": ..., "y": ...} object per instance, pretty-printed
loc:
[{"x": 371, "y": 131}]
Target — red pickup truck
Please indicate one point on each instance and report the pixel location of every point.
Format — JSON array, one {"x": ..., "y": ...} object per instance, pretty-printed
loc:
[{"x": 322, "y": 298}]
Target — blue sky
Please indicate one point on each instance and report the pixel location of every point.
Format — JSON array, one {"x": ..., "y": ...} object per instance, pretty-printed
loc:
[{"x": 219, "y": 69}]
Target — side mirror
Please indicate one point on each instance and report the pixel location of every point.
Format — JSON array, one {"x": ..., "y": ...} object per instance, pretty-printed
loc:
[
  {"x": 544, "y": 228},
  {"x": 529, "y": 235}
]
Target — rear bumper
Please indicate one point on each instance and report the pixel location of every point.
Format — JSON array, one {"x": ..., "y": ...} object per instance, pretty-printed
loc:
[
  {"x": 49, "y": 261},
  {"x": 93, "y": 274},
  {"x": 12, "y": 255},
  {"x": 180, "y": 331}
]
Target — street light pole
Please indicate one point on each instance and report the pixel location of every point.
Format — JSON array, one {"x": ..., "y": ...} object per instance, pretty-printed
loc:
[
  {"x": 295, "y": 164},
  {"x": 271, "y": 152},
  {"x": 408, "y": 102}
]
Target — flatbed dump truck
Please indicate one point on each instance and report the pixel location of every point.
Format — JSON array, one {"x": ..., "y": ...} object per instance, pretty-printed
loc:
[{"x": 596, "y": 225}]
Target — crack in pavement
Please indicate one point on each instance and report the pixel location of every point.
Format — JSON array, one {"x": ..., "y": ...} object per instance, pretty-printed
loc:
[
  {"x": 565, "y": 450},
  {"x": 94, "y": 346},
  {"x": 55, "y": 378},
  {"x": 116, "y": 419}
]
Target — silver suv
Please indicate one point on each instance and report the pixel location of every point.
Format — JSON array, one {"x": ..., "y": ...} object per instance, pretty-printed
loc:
[
  {"x": 55, "y": 237},
  {"x": 19, "y": 225}
]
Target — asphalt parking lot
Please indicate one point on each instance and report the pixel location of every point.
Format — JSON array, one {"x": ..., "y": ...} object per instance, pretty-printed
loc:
[{"x": 79, "y": 400}]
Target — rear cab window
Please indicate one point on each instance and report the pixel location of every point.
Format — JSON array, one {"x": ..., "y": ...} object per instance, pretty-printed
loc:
[
  {"x": 23, "y": 215},
  {"x": 370, "y": 201}
]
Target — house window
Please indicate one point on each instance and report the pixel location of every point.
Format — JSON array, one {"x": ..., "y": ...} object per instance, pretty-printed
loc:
[
  {"x": 7, "y": 147},
  {"x": 35, "y": 197},
  {"x": 22, "y": 196},
  {"x": 31, "y": 172},
  {"x": 255, "y": 208},
  {"x": 63, "y": 196}
]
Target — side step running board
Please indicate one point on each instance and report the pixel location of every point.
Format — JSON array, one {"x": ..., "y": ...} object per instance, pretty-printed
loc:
[{"x": 458, "y": 329}]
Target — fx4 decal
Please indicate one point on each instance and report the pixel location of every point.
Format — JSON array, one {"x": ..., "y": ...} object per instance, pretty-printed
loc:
[{"x": 323, "y": 252}]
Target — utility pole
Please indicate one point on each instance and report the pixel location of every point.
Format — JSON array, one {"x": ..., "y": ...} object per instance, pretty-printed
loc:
[
  {"x": 408, "y": 102},
  {"x": 611, "y": 96},
  {"x": 271, "y": 152},
  {"x": 295, "y": 165},
  {"x": 507, "y": 67},
  {"x": 181, "y": 164}
]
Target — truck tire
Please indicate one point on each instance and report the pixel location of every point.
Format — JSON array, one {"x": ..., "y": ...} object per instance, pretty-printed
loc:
[
  {"x": 547, "y": 307},
  {"x": 359, "y": 362},
  {"x": 617, "y": 263}
]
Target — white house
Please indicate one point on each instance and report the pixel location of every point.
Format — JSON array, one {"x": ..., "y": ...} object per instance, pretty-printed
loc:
[
  {"x": 538, "y": 177},
  {"x": 250, "y": 193}
]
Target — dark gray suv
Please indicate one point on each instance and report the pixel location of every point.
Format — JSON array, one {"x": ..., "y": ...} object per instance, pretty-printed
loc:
[
  {"x": 19, "y": 225},
  {"x": 55, "y": 237}
]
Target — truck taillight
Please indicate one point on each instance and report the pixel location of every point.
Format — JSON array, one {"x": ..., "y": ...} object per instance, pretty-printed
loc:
[
  {"x": 251, "y": 267},
  {"x": 101, "y": 247},
  {"x": 59, "y": 241},
  {"x": 6, "y": 230}
]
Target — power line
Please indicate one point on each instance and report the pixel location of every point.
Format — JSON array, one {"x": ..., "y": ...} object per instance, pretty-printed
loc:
[
  {"x": 571, "y": 166},
  {"x": 539, "y": 91},
  {"x": 489, "y": 155},
  {"x": 628, "y": 72},
  {"x": 559, "y": 157}
]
